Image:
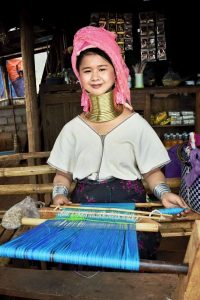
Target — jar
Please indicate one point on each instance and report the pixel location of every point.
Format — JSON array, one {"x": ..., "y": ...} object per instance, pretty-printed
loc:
[{"x": 139, "y": 83}]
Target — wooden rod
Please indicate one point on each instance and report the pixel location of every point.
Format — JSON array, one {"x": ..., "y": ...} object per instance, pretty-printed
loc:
[
  {"x": 141, "y": 204},
  {"x": 175, "y": 234},
  {"x": 155, "y": 266},
  {"x": 25, "y": 189},
  {"x": 26, "y": 171},
  {"x": 172, "y": 182},
  {"x": 24, "y": 156},
  {"x": 145, "y": 226},
  {"x": 149, "y": 204}
]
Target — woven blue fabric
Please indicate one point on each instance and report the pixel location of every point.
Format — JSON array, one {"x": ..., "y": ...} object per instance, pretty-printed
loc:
[{"x": 83, "y": 243}]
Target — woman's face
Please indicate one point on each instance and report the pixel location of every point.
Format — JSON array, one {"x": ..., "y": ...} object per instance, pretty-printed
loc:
[{"x": 97, "y": 75}]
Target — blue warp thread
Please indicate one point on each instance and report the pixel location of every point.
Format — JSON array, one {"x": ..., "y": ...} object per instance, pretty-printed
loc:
[
  {"x": 82, "y": 243},
  {"x": 171, "y": 211}
]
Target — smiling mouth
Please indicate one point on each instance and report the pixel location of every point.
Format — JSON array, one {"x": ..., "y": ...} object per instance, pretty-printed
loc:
[{"x": 96, "y": 86}]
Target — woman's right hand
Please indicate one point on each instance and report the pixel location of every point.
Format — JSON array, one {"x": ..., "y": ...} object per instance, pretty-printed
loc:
[
  {"x": 63, "y": 179},
  {"x": 61, "y": 200}
]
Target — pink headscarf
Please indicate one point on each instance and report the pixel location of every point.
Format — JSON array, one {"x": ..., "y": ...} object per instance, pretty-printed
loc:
[{"x": 98, "y": 37}]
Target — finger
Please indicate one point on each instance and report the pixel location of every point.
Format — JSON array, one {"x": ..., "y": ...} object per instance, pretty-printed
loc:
[
  {"x": 66, "y": 201},
  {"x": 179, "y": 202},
  {"x": 184, "y": 204}
]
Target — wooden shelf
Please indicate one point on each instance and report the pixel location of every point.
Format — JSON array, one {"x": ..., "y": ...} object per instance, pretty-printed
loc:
[
  {"x": 11, "y": 106},
  {"x": 59, "y": 105},
  {"x": 170, "y": 126},
  {"x": 167, "y": 90}
]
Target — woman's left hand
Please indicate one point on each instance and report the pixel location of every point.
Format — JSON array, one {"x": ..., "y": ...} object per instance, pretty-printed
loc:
[{"x": 173, "y": 200}]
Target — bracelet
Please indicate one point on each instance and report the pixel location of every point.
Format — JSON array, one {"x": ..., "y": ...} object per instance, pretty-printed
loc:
[
  {"x": 160, "y": 189},
  {"x": 60, "y": 190}
]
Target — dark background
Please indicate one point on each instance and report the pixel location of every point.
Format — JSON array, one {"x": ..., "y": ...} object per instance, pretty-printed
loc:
[
  {"x": 182, "y": 31},
  {"x": 181, "y": 26}
]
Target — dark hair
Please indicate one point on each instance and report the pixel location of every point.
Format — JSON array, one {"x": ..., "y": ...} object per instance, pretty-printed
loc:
[{"x": 92, "y": 50}]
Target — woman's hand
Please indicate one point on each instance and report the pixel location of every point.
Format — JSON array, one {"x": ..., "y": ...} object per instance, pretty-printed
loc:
[
  {"x": 61, "y": 200},
  {"x": 173, "y": 200},
  {"x": 62, "y": 179},
  {"x": 168, "y": 199}
]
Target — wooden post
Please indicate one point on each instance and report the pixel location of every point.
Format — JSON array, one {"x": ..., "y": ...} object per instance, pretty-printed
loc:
[
  {"x": 27, "y": 48},
  {"x": 188, "y": 288},
  {"x": 32, "y": 112}
]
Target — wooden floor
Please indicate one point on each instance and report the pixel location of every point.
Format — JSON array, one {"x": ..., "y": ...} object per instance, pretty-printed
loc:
[{"x": 70, "y": 285}]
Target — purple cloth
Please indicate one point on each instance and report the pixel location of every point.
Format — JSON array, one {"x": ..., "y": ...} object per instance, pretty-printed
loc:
[
  {"x": 195, "y": 164},
  {"x": 173, "y": 169},
  {"x": 197, "y": 139}
]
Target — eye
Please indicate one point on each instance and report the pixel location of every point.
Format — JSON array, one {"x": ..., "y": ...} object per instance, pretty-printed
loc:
[{"x": 102, "y": 69}]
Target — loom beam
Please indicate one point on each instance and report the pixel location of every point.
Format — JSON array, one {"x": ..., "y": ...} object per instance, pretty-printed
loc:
[
  {"x": 144, "y": 225},
  {"x": 155, "y": 266}
]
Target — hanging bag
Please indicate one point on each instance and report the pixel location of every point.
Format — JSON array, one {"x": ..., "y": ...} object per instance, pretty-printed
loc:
[{"x": 190, "y": 175}]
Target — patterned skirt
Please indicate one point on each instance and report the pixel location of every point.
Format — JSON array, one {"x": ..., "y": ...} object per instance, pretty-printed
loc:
[{"x": 118, "y": 191}]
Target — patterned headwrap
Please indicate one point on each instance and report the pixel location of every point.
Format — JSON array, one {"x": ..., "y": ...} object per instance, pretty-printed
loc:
[{"x": 98, "y": 37}]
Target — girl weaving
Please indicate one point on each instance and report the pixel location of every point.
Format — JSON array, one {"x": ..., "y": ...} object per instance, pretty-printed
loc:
[{"x": 109, "y": 148}]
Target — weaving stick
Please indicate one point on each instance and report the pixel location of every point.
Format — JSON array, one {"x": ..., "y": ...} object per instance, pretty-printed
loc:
[
  {"x": 140, "y": 226},
  {"x": 148, "y": 204},
  {"x": 118, "y": 210},
  {"x": 141, "y": 204},
  {"x": 116, "y": 213},
  {"x": 145, "y": 205}
]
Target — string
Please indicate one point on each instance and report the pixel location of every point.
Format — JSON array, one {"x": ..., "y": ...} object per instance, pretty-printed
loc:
[
  {"x": 106, "y": 214},
  {"x": 167, "y": 211},
  {"x": 96, "y": 216},
  {"x": 86, "y": 276}
]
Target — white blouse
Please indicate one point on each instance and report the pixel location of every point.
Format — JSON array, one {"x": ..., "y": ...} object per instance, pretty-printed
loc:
[{"x": 130, "y": 149}]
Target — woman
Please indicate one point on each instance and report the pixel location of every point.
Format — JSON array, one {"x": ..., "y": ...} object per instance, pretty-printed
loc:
[{"x": 109, "y": 148}]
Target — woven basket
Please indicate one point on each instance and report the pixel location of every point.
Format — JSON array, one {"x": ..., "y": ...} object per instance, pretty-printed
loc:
[{"x": 170, "y": 82}]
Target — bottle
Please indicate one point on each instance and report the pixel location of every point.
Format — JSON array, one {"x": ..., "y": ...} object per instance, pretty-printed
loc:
[
  {"x": 167, "y": 141},
  {"x": 174, "y": 140},
  {"x": 179, "y": 138}
]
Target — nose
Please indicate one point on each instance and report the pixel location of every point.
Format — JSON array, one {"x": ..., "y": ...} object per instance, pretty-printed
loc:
[{"x": 95, "y": 76}]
